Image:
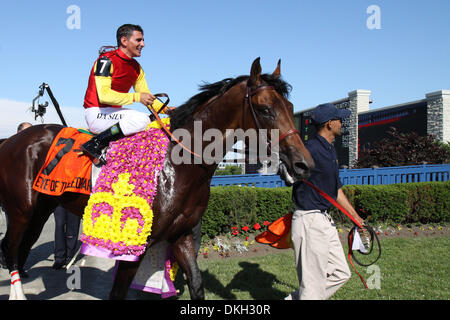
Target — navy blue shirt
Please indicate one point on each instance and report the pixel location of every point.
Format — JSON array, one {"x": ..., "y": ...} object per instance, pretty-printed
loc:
[{"x": 324, "y": 176}]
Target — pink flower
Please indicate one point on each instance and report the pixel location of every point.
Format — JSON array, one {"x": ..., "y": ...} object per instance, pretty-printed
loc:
[
  {"x": 256, "y": 226},
  {"x": 141, "y": 155},
  {"x": 245, "y": 228}
]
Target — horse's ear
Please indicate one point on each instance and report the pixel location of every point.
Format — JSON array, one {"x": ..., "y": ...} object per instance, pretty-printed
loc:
[
  {"x": 255, "y": 73},
  {"x": 277, "y": 72}
]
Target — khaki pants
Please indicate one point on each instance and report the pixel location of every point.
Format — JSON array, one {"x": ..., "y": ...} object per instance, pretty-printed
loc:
[{"x": 321, "y": 264}]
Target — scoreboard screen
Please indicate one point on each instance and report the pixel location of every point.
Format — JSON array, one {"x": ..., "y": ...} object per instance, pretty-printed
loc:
[{"x": 374, "y": 126}]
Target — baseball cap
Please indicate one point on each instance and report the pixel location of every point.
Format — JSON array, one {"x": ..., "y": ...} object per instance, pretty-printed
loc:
[{"x": 328, "y": 111}]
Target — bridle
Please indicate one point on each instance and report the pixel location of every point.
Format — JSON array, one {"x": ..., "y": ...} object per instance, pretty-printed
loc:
[
  {"x": 249, "y": 93},
  {"x": 248, "y": 102}
]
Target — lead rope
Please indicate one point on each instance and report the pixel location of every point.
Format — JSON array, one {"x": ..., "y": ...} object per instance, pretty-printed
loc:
[
  {"x": 350, "y": 235},
  {"x": 349, "y": 255}
]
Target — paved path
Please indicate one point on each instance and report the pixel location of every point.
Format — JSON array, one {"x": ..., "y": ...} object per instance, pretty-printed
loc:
[{"x": 44, "y": 283}]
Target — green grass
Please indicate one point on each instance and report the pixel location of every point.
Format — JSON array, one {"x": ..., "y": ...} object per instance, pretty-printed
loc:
[{"x": 411, "y": 269}]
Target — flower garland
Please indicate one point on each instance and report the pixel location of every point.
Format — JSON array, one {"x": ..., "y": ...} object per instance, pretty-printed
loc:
[
  {"x": 119, "y": 214},
  {"x": 172, "y": 269}
]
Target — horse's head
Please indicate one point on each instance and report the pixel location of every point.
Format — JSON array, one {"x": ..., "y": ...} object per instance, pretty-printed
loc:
[{"x": 267, "y": 107}]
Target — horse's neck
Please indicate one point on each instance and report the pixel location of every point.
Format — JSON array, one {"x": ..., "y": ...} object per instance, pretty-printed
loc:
[
  {"x": 219, "y": 114},
  {"x": 222, "y": 114},
  {"x": 226, "y": 111}
]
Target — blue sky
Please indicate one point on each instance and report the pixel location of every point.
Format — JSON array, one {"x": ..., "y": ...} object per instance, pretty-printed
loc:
[{"x": 325, "y": 47}]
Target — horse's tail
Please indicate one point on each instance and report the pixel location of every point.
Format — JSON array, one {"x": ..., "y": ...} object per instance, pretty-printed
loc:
[
  {"x": 2, "y": 212},
  {"x": 3, "y": 224}
]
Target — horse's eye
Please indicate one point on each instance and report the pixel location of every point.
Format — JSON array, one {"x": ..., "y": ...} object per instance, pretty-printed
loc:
[{"x": 266, "y": 112}]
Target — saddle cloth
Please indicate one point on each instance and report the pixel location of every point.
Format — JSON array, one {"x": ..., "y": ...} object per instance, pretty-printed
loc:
[
  {"x": 64, "y": 169},
  {"x": 157, "y": 271}
]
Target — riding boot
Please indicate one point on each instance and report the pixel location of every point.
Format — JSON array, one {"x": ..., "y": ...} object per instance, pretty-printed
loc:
[{"x": 95, "y": 146}]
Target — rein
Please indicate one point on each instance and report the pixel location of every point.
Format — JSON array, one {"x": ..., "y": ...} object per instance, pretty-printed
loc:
[
  {"x": 247, "y": 101},
  {"x": 372, "y": 233},
  {"x": 166, "y": 129}
]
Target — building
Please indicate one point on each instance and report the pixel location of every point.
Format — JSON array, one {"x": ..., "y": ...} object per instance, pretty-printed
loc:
[{"x": 427, "y": 116}]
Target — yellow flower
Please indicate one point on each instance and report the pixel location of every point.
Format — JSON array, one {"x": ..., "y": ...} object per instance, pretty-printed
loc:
[
  {"x": 173, "y": 271},
  {"x": 156, "y": 125},
  {"x": 110, "y": 228}
]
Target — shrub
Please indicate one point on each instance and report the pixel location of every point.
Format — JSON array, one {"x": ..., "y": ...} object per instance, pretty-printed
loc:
[
  {"x": 403, "y": 149},
  {"x": 381, "y": 202},
  {"x": 425, "y": 202}
]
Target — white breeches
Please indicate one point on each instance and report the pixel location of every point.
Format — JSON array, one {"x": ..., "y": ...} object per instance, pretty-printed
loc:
[{"x": 130, "y": 121}]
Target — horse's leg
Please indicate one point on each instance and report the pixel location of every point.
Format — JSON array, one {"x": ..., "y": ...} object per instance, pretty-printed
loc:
[
  {"x": 17, "y": 225},
  {"x": 126, "y": 271},
  {"x": 184, "y": 252},
  {"x": 34, "y": 230},
  {"x": 16, "y": 289},
  {"x": 24, "y": 227}
]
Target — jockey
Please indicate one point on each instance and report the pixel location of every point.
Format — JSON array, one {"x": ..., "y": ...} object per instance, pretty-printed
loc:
[{"x": 112, "y": 76}]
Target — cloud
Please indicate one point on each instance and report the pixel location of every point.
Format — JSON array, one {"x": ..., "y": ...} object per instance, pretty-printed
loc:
[{"x": 12, "y": 113}]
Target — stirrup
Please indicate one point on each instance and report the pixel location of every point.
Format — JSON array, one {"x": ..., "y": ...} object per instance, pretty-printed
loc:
[
  {"x": 100, "y": 161},
  {"x": 94, "y": 148},
  {"x": 98, "y": 158}
]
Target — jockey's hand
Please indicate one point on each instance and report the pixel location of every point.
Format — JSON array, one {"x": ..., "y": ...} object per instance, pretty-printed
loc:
[{"x": 147, "y": 98}]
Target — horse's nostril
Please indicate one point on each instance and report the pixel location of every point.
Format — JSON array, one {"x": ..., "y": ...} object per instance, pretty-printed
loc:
[{"x": 301, "y": 167}]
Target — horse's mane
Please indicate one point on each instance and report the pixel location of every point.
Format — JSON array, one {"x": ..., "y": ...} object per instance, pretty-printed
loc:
[{"x": 184, "y": 113}]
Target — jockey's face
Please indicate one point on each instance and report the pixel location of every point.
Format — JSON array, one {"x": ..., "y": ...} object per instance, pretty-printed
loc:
[{"x": 132, "y": 47}]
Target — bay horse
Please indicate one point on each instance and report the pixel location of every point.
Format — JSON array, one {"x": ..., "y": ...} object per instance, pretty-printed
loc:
[{"x": 257, "y": 101}]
